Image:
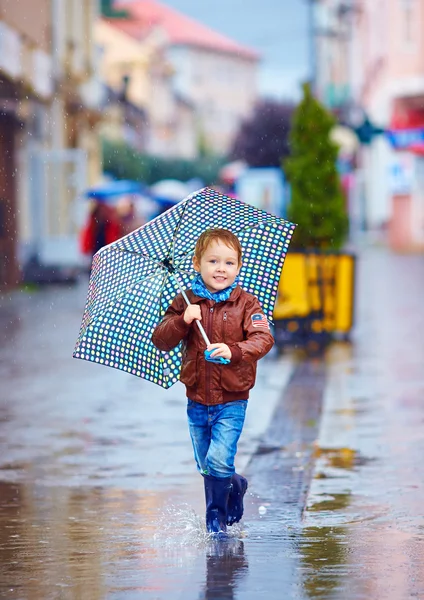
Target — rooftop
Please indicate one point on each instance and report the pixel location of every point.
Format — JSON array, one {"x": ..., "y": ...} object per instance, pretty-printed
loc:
[{"x": 180, "y": 29}]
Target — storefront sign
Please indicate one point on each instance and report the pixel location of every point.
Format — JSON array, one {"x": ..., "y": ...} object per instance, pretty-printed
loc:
[{"x": 403, "y": 138}]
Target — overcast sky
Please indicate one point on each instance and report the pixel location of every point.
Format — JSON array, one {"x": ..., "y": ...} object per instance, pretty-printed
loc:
[{"x": 278, "y": 29}]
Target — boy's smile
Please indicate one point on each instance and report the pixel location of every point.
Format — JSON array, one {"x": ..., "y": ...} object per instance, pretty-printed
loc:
[{"x": 218, "y": 266}]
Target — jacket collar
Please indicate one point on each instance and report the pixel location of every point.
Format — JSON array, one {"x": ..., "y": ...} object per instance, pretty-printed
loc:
[{"x": 196, "y": 299}]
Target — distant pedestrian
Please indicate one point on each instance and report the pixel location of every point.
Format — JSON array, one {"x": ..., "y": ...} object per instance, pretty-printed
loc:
[
  {"x": 217, "y": 393},
  {"x": 127, "y": 214},
  {"x": 102, "y": 228}
]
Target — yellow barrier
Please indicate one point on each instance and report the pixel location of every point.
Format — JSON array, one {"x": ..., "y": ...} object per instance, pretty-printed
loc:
[{"x": 317, "y": 289}]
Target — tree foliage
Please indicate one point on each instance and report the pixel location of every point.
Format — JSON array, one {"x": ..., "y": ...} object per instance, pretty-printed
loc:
[
  {"x": 123, "y": 162},
  {"x": 317, "y": 201},
  {"x": 262, "y": 140}
]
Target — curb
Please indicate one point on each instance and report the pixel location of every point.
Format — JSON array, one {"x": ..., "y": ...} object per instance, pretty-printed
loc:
[{"x": 280, "y": 472}]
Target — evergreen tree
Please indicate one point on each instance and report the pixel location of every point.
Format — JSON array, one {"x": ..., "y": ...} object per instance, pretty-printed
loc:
[{"x": 317, "y": 201}]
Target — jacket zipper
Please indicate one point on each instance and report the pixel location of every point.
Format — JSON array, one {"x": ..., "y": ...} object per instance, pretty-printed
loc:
[
  {"x": 208, "y": 364},
  {"x": 225, "y": 327}
]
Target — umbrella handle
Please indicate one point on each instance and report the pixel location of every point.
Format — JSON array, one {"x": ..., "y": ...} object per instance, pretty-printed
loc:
[
  {"x": 184, "y": 295},
  {"x": 219, "y": 359},
  {"x": 203, "y": 332}
]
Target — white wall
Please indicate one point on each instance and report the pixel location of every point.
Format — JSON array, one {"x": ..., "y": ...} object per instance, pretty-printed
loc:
[{"x": 221, "y": 87}]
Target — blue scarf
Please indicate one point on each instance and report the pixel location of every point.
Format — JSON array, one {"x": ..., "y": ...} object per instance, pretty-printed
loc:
[{"x": 198, "y": 287}]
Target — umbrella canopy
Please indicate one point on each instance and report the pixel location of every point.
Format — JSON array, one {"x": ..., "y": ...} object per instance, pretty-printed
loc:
[
  {"x": 112, "y": 189},
  {"x": 132, "y": 284},
  {"x": 169, "y": 190}
]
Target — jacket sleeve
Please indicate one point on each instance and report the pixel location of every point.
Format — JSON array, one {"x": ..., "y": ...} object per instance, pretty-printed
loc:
[
  {"x": 259, "y": 339},
  {"x": 172, "y": 329}
]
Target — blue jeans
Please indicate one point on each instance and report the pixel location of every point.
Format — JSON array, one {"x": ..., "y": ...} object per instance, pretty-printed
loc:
[{"x": 215, "y": 431}]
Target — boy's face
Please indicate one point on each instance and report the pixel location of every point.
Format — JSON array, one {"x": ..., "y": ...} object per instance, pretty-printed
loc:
[{"x": 218, "y": 266}]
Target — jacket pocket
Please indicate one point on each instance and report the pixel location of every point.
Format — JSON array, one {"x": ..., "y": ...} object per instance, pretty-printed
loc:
[
  {"x": 238, "y": 378},
  {"x": 188, "y": 373}
]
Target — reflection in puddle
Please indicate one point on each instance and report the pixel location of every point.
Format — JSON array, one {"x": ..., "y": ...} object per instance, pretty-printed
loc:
[
  {"x": 91, "y": 540},
  {"x": 62, "y": 537},
  {"x": 226, "y": 566},
  {"x": 340, "y": 458},
  {"x": 329, "y": 503},
  {"x": 325, "y": 555}
]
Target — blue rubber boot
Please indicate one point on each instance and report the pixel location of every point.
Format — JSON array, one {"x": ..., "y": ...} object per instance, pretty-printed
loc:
[
  {"x": 235, "y": 500},
  {"x": 217, "y": 491}
]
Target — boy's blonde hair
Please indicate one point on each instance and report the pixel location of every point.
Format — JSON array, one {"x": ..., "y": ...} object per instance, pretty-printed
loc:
[{"x": 212, "y": 235}]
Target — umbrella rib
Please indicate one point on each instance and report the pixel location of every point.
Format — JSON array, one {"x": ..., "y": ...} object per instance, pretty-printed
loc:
[
  {"x": 277, "y": 224},
  {"x": 119, "y": 298},
  {"x": 146, "y": 256},
  {"x": 176, "y": 230},
  {"x": 162, "y": 288},
  {"x": 158, "y": 263},
  {"x": 166, "y": 273},
  {"x": 172, "y": 252}
]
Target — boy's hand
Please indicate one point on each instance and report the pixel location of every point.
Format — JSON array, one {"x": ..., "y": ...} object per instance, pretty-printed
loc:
[
  {"x": 220, "y": 350},
  {"x": 191, "y": 313}
]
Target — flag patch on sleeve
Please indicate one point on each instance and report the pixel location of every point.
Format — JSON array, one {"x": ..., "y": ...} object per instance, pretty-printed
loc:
[{"x": 259, "y": 320}]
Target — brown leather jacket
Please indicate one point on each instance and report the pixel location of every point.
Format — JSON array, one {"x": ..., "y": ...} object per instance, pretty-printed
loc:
[{"x": 238, "y": 322}]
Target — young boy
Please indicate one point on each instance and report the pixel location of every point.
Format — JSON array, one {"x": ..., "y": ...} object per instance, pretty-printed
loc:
[{"x": 217, "y": 393}]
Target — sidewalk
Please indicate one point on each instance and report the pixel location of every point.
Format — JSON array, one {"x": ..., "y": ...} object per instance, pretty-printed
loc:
[{"x": 365, "y": 507}]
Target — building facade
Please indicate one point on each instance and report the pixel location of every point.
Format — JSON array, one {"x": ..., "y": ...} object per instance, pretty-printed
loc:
[
  {"x": 212, "y": 75},
  {"x": 133, "y": 64},
  {"x": 25, "y": 87},
  {"x": 48, "y": 117},
  {"x": 379, "y": 47}
]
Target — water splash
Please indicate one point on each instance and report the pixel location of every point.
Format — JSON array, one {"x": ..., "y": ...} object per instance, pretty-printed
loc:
[{"x": 179, "y": 526}]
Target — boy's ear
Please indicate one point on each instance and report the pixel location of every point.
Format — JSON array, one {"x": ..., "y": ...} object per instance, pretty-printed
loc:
[{"x": 196, "y": 264}]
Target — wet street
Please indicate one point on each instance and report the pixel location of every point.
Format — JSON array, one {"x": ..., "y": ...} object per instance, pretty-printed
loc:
[{"x": 100, "y": 499}]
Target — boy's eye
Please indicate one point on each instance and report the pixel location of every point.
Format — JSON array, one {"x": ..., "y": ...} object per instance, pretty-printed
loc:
[{"x": 230, "y": 263}]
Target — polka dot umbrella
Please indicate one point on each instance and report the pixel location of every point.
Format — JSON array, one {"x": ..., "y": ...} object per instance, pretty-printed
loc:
[{"x": 134, "y": 280}]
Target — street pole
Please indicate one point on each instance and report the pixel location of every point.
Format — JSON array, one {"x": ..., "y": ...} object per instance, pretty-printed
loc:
[{"x": 312, "y": 48}]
